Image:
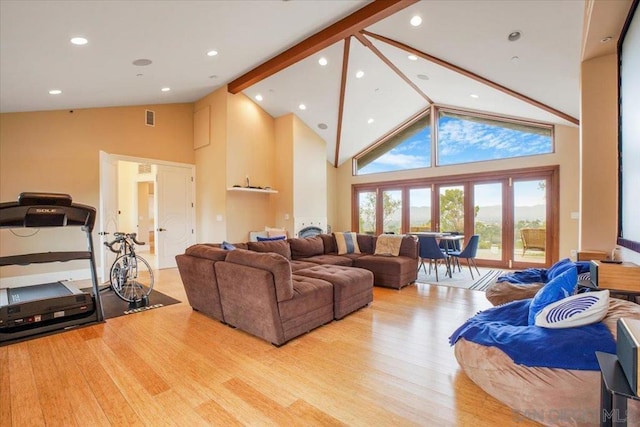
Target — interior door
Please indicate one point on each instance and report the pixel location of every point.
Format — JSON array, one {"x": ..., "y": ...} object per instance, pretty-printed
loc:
[
  {"x": 108, "y": 210},
  {"x": 174, "y": 219}
]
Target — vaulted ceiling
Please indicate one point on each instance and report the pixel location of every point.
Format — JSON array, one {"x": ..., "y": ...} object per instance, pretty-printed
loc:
[{"x": 272, "y": 49}]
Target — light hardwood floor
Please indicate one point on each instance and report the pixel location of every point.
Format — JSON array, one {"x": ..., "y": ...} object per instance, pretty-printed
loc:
[{"x": 389, "y": 364}]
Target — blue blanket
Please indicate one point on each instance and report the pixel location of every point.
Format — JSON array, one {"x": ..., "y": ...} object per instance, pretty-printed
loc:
[
  {"x": 543, "y": 275},
  {"x": 506, "y": 327}
]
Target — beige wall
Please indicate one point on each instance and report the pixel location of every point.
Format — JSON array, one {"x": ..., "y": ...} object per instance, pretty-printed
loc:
[
  {"x": 242, "y": 142},
  {"x": 58, "y": 151},
  {"x": 284, "y": 212},
  {"x": 599, "y": 156},
  {"x": 566, "y": 155}
]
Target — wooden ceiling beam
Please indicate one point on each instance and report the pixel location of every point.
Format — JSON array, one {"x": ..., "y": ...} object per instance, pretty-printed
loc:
[
  {"x": 366, "y": 42},
  {"x": 357, "y": 21},
  {"x": 343, "y": 89},
  {"x": 473, "y": 76}
]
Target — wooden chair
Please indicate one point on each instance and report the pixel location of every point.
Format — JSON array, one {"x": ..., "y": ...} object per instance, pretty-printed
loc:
[{"x": 533, "y": 238}]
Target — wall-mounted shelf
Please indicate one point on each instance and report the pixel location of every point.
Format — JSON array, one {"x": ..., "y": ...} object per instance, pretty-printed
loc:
[{"x": 252, "y": 190}]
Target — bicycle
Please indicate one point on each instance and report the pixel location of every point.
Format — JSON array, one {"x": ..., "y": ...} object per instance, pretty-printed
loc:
[{"x": 130, "y": 276}]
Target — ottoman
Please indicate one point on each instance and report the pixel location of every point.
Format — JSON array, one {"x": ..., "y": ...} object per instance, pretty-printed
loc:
[{"x": 352, "y": 287}]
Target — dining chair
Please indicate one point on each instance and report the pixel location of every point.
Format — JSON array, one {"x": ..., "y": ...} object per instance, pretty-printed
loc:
[
  {"x": 469, "y": 253},
  {"x": 429, "y": 249}
]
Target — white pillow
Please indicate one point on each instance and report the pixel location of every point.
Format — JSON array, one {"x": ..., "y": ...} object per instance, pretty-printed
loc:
[{"x": 575, "y": 310}]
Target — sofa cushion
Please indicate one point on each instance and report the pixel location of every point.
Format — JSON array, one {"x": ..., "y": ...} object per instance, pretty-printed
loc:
[
  {"x": 307, "y": 247},
  {"x": 280, "y": 247},
  {"x": 300, "y": 265},
  {"x": 329, "y": 259},
  {"x": 274, "y": 263},
  {"x": 347, "y": 243},
  {"x": 329, "y": 243},
  {"x": 208, "y": 252},
  {"x": 367, "y": 243}
]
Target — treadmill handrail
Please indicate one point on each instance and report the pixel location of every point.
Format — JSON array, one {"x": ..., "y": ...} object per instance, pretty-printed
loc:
[{"x": 43, "y": 257}]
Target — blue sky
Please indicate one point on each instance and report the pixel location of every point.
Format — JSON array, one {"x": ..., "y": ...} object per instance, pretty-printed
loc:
[{"x": 461, "y": 141}]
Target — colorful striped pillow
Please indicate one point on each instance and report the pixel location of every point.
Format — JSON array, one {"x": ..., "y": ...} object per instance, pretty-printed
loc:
[{"x": 347, "y": 242}]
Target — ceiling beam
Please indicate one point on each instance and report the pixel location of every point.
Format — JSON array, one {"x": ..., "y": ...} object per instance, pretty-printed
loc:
[
  {"x": 474, "y": 76},
  {"x": 360, "y": 19},
  {"x": 366, "y": 42},
  {"x": 343, "y": 89}
]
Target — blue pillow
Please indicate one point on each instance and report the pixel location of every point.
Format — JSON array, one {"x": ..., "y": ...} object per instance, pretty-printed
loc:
[
  {"x": 558, "y": 288},
  {"x": 227, "y": 246},
  {"x": 558, "y": 268},
  {"x": 270, "y": 239}
]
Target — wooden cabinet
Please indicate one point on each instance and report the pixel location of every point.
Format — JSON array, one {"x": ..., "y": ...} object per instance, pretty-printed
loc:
[{"x": 621, "y": 277}]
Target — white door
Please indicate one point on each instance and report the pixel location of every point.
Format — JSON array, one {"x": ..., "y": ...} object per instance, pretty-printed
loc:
[
  {"x": 174, "y": 218},
  {"x": 108, "y": 211}
]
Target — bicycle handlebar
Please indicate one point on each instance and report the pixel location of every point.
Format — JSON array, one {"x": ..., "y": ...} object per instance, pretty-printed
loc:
[{"x": 119, "y": 238}]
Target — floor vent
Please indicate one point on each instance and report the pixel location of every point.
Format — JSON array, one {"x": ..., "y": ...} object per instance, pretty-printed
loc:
[{"x": 149, "y": 118}]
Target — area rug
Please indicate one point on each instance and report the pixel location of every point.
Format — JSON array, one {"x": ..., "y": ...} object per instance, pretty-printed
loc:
[
  {"x": 113, "y": 306},
  {"x": 461, "y": 279}
]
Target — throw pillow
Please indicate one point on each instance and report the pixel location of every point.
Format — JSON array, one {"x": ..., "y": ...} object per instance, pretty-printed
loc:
[
  {"x": 347, "y": 242},
  {"x": 558, "y": 288},
  {"x": 575, "y": 310},
  {"x": 227, "y": 246},
  {"x": 270, "y": 239}
]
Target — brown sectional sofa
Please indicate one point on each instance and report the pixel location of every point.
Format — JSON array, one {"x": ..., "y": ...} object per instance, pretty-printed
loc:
[{"x": 278, "y": 290}]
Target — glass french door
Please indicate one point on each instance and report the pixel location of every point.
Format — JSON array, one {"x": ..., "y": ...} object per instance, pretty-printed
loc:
[
  {"x": 451, "y": 209},
  {"x": 367, "y": 212},
  {"x": 530, "y": 221},
  {"x": 488, "y": 219},
  {"x": 419, "y": 209},
  {"x": 392, "y": 211}
]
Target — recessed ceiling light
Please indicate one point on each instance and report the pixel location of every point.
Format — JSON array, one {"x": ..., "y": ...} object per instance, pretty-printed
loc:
[
  {"x": 142, "y": 62},
  {"x": 55, "y": 92},
  {"x": 302, "y": 107},
  {"x": 323, "y": 61},
  {"x": 423, "y": 77},
  {"x": 165, "y": 89},
  {"x": 515, "y": 59},
  {"x": 213, "y": 76},
  {"x": 212, "y": 53},
  {"x": 359, "y": 74},
  {"x": 412, "y": 57},
  {"x": 473, "y": 95},
  {"x": 258, "y": 97},
  {"x": 514, "y": 35},
  {"x": 322, "y": 126},
  {"x": 416, "y": 21},
  {"x": 370, "y": 121},
  {"x": 606, "y": 39},
  {"x": 79, "y": 41}
]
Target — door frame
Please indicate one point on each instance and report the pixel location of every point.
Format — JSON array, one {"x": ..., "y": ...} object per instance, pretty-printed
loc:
[{"x": 114, "y": 182}]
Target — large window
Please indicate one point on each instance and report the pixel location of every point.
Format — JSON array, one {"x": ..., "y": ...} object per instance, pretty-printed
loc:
[
  {"x": 461, "y": 137},
  {"x": 408, "y": 149},
  {"x": 464, "y": 138}
]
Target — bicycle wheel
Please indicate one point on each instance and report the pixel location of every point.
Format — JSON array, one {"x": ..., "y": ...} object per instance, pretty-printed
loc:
[{"x": 131, "y": 278}]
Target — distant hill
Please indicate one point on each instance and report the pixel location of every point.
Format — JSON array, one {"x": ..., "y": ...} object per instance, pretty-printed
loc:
[{"x": 488, "y": 214}]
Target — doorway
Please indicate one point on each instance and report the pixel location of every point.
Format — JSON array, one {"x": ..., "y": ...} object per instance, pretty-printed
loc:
[{"x": 152, "y": 198}]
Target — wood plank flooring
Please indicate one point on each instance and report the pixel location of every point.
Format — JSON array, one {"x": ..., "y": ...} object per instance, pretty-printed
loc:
[{"x": 389, "y": 364}]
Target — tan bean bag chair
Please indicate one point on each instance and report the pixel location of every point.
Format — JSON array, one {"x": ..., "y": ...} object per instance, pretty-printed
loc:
[
  {"x": 503, "y": 292},
  {"x": 552, "y": 397}
]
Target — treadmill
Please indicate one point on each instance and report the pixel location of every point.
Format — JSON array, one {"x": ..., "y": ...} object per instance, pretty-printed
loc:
[{"x": 28, "y": 311}]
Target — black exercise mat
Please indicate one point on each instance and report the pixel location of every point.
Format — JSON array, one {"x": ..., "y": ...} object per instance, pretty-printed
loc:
[{"x": 113, "y": 306}]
